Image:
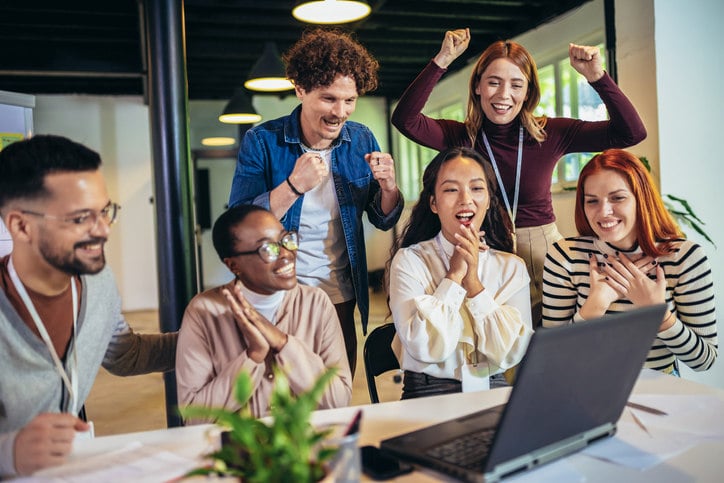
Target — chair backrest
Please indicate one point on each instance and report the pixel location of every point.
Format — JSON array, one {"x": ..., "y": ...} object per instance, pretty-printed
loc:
[{"x": 378, "y": 356}]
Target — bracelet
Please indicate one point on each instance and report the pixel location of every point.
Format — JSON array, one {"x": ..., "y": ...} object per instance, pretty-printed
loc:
[{"x": 295, "y": 190}]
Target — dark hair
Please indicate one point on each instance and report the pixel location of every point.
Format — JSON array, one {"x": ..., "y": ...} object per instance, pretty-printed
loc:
[
  {"x": 221, "y": 233},
  {"x": 654, "y": 224},
  {"x": 25, "y": 164},
  {"x": 321, "y": 54},
  {"x": 423, "y": 224}
]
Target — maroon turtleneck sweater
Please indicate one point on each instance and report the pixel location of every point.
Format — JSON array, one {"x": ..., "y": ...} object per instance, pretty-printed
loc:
[{"x": 564, "y": 135}]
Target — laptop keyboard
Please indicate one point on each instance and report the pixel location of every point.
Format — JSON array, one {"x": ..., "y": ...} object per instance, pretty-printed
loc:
[{"x": 468, "y": 451}]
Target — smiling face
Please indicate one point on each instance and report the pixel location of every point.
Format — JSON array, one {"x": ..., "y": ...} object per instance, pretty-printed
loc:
[
  {"x": 325, "y": 110},
  {"x": 461, "y": 196},
  {"x": 256, "y": 274},
  {"x": 64, "y": 246},
  {"x": 502, "y": 89},
  {"x": 610, "y": 208}
]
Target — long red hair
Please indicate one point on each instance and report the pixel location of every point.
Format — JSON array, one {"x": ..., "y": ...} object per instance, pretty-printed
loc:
[{"x": 655, "y": 228}]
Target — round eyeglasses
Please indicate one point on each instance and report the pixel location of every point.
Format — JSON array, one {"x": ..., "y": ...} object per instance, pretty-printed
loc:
[
  {"x": 269, "y": 251},
  {"x": 86, "y": 219}
]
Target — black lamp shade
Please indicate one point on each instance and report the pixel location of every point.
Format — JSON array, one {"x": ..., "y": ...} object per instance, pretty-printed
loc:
[
  {"x": 239, "y": 110},
  {"x": 268, "y": 73}
]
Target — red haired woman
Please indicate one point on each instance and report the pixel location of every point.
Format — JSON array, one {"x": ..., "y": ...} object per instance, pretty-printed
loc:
[
  {"x": 524, "y": 149},
  {"x": 630, "y": 253}
]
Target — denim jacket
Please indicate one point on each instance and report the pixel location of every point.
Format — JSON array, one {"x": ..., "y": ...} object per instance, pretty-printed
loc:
[{"x": 267, "y": 156}]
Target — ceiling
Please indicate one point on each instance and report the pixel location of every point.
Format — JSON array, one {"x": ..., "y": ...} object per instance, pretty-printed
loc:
[{"x": 96, "y": 47}]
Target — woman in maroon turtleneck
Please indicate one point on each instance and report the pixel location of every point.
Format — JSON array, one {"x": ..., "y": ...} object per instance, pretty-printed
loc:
[{"x": 524, "y": 149}]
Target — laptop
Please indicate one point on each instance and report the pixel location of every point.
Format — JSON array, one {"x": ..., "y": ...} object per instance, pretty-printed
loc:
[{"x": 570, "y": 390}]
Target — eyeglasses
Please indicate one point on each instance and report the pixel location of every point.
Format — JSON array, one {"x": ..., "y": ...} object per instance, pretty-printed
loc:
[
  {"x": 87, "y": 219},
  {"x": 269, "y": 251}
]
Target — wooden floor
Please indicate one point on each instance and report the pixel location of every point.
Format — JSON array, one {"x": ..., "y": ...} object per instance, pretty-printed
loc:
[{"x": 128, "y": 404}]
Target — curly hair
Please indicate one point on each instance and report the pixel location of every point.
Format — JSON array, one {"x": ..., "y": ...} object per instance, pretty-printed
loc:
[
  {"x": 655, "y": 227},
  {"x": 321, "y": 54}
]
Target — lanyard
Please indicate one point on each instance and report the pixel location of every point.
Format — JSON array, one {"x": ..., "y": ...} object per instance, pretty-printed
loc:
[
  {"x": 514, "y": 211},
  {"x": 69, "y": 379}
]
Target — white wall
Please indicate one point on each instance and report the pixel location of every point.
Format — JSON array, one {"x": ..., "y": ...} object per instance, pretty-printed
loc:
[
  {"x": 689, "y": 70},
  {"x": 118, "y": 128}
]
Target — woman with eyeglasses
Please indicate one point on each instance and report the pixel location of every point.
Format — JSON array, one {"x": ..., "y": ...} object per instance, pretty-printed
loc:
[
  {"x": 261, "y": 319},
  {"x": 459, "y": 301}
]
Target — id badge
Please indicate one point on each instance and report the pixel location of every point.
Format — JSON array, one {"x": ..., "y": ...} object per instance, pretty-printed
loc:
[
  {"x": 85, "y": 435},
  {"x": 475, "y": 377}
]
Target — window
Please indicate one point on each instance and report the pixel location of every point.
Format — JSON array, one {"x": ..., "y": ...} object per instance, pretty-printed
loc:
[
  {"x": 412, "y": 159},
  {"x": 564, "y": 92}
]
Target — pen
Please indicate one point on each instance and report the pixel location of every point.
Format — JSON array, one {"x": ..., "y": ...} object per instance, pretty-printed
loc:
[
  {"x": 354, "y": 424},
  {"x": 647, "y": 409}
]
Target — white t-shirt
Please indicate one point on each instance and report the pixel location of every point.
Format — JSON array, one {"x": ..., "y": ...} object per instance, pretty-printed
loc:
[{"x": 322, "y": 259}]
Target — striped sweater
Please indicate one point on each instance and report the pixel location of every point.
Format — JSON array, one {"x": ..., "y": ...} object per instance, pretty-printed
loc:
[{"x": 689, "y": 295}]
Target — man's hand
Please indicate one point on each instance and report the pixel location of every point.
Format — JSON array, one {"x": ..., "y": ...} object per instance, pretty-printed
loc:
[
  {"x": 46, "y": 441},
  {"x": 383, "y": 170},
  {"x": 309, "y": 171},
  {"x": 453, "y": 45},
  {"x": 586, "y": 60}
]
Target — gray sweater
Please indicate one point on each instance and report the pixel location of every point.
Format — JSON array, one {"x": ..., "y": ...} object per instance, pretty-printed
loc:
[{"x": 29, "y": 382}]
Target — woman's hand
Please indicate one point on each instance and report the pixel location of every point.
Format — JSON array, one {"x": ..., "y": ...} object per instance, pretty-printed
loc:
[
  {"x": 600, "y": 296},
  {"x": 467, "y": 250},
  {"x": 454, "y": 43},
  {"x": 261, "y": 336},
  {"x": 630, "y": 279},
  {"x": 586, "y": 60}
]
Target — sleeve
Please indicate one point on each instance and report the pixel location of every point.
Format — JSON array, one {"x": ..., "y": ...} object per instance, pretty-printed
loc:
[
  {"x": 428, "y": 322},
  {"x": 251, "y": 182},
  {"x": 7, "y": 454},
  {"x": 304, "y": 365},
  {"x": 130, "y": 354},
  {"x": 197, "y": 380},
  {"x": 503, "y": 323},
  {"x": 559, "y": 293},
  {"x": 693, "y": 337},
  {"x": 380, "y": 220},
  {"x": 408, "y": 118},
  {"x": 623, "y": 129}
]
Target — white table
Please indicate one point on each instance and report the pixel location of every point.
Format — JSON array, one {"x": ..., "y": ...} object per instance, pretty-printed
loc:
[{"x": 702, "y": 463}]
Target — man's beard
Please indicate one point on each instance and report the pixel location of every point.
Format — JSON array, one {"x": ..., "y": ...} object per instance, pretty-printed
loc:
[{"x": 69, "y": 263}]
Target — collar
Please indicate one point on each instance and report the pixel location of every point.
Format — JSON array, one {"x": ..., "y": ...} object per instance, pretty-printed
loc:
[
  {"x": 266, "y": 305},
  {"x": 293, "y": 130}
]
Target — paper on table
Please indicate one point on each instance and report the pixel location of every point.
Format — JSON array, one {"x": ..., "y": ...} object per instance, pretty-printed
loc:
[
  {"x": 134, "y": 462},
  {"x": 690, "y": 421}
]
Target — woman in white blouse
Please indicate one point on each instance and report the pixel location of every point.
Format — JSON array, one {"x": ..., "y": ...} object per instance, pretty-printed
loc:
[{"x": 459, "y": 300}]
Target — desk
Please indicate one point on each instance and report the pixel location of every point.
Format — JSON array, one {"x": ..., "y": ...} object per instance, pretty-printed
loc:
[{"x": 702, "y": 463}]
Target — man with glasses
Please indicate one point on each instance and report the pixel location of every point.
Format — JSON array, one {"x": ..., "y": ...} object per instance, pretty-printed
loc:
[
  {"x": 60, "y": 311},
  {"x": 319, "y": 173},
  {"x": 259, "y": 320}
]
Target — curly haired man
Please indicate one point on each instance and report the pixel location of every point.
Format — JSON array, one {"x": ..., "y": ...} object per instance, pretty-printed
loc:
[{"x": 318, "y": 172}]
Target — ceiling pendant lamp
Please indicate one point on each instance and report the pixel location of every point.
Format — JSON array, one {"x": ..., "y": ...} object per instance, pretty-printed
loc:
[
  {"x": 331, "y": 11},
  {"x": 268, "y": 74},
  {"x": 239, "y": 110}
]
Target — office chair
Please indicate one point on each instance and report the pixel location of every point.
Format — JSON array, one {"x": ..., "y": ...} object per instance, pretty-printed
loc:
[{"x": 378, "y": 356}]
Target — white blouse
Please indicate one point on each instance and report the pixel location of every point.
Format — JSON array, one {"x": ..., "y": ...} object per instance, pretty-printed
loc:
[{"x": 439, "y": 329}]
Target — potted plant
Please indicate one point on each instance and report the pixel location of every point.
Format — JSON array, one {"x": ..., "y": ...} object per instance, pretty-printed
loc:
[{"x": 284, "y": 448}]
